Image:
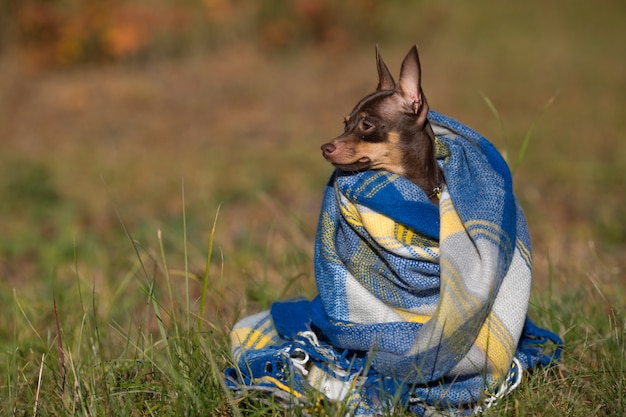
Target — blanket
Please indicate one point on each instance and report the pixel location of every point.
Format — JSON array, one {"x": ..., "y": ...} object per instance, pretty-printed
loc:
[{"x": 419, "y": 306}]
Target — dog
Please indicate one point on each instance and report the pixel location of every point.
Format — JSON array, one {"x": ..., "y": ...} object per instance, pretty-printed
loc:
[{"x": 389, "y": 130}]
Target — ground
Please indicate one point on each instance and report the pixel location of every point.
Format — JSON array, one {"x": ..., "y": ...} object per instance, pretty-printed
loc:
[{"x": 90, "y": 154}]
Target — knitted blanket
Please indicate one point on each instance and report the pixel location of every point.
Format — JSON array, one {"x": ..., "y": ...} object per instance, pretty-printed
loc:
[{"x": 418, "y": 305}]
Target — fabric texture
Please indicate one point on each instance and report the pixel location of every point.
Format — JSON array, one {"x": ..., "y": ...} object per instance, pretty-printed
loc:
[{"x": 418, "y": 305}]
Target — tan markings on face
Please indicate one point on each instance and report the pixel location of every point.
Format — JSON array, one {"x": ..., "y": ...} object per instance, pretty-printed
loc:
[
  {"x": 393, "y": 138},
  {"x": 383, "y": 155}
]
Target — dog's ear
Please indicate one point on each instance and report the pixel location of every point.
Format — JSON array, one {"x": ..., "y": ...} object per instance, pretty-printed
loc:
[
  {"x": 410, "y": 85},
  {"x": 385, "y": 80}
]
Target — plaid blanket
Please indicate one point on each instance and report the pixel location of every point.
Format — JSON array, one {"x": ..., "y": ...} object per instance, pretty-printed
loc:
[{"x": 418, "y": 305}]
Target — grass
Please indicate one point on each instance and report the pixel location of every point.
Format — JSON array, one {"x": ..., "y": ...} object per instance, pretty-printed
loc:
[
  {"x": 165, "y": 360},
  {"x": 119, "y": 284},
  {"x": 521, "y": 153},
  {"x": 168, "y": 359}
]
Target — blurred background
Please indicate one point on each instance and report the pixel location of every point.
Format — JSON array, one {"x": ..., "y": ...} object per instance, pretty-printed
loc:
[{"x": 118, "y": 116}]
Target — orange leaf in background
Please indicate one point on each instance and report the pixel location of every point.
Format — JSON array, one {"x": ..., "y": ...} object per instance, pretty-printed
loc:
[
  {"x": 219, "y": 10},
  {"x": 124, "y": 39}
]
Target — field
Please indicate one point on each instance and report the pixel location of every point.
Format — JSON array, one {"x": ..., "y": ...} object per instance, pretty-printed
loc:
[{"x": 148, "y": 199}]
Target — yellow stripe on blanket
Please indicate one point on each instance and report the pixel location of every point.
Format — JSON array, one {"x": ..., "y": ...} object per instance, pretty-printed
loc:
[
  {"x": 495, "y": 341},
  {"x": 280, "y": 385},
  {"x": 404, "y": 234},
  {"x": 411, "y": 317},
  {"x": 459, "y": 300},
  {"x": 525, "y": 252},
  {"x": 450, "y": 221},
  {"x": 381, "y": 229},
  {"x": 249, "y": 338},
  {"x": 387, "y": 233},
  {"x": 481, "y": 227},
  {"x": 350, "y": 213}
]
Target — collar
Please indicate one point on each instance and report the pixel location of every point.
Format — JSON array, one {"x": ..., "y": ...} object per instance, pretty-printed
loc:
[{"x": 437, "y": 191}]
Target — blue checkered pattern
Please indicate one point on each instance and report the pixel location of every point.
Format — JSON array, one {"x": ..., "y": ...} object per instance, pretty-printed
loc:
[{"x": 430, "y": 302}]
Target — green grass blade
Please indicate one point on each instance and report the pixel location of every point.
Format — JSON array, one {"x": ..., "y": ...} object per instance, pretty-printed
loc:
[
  {"x": 168, "y": 282},
  {"x": 160, "y": 323},
  {"x": 524, "y": 146},
  {"x": 522, "y": 150},
  {"x": 521, "y": 153},
  {"x": 186, "y": 259},
  {"x": 205, "y": 280},
  {"x": 25, "y": 315},
  {"x": 496, "y": 114}
]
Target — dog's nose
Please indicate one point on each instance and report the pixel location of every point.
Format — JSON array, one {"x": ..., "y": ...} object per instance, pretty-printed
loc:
[{"x": 328, "y": 148}]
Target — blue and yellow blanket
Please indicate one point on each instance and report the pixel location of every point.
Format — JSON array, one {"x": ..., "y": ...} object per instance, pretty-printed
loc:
[{"x": 419, "y": 306}]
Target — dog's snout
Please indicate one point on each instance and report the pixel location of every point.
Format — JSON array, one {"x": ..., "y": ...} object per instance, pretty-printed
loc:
[{"x": 328, "y": 148}]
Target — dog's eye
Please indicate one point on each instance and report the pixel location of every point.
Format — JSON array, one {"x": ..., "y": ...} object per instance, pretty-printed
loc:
[{"x": 366, "y": 126}]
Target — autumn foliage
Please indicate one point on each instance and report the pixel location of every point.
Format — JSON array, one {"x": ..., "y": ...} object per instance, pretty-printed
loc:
[{"x": 52, "y": 33}]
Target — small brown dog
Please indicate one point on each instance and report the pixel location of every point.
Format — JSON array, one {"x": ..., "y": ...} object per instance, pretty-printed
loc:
[{"x": 389, "y": 130}]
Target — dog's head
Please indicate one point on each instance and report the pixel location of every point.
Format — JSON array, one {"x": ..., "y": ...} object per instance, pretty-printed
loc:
[{"x": 388, "y": 128}]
